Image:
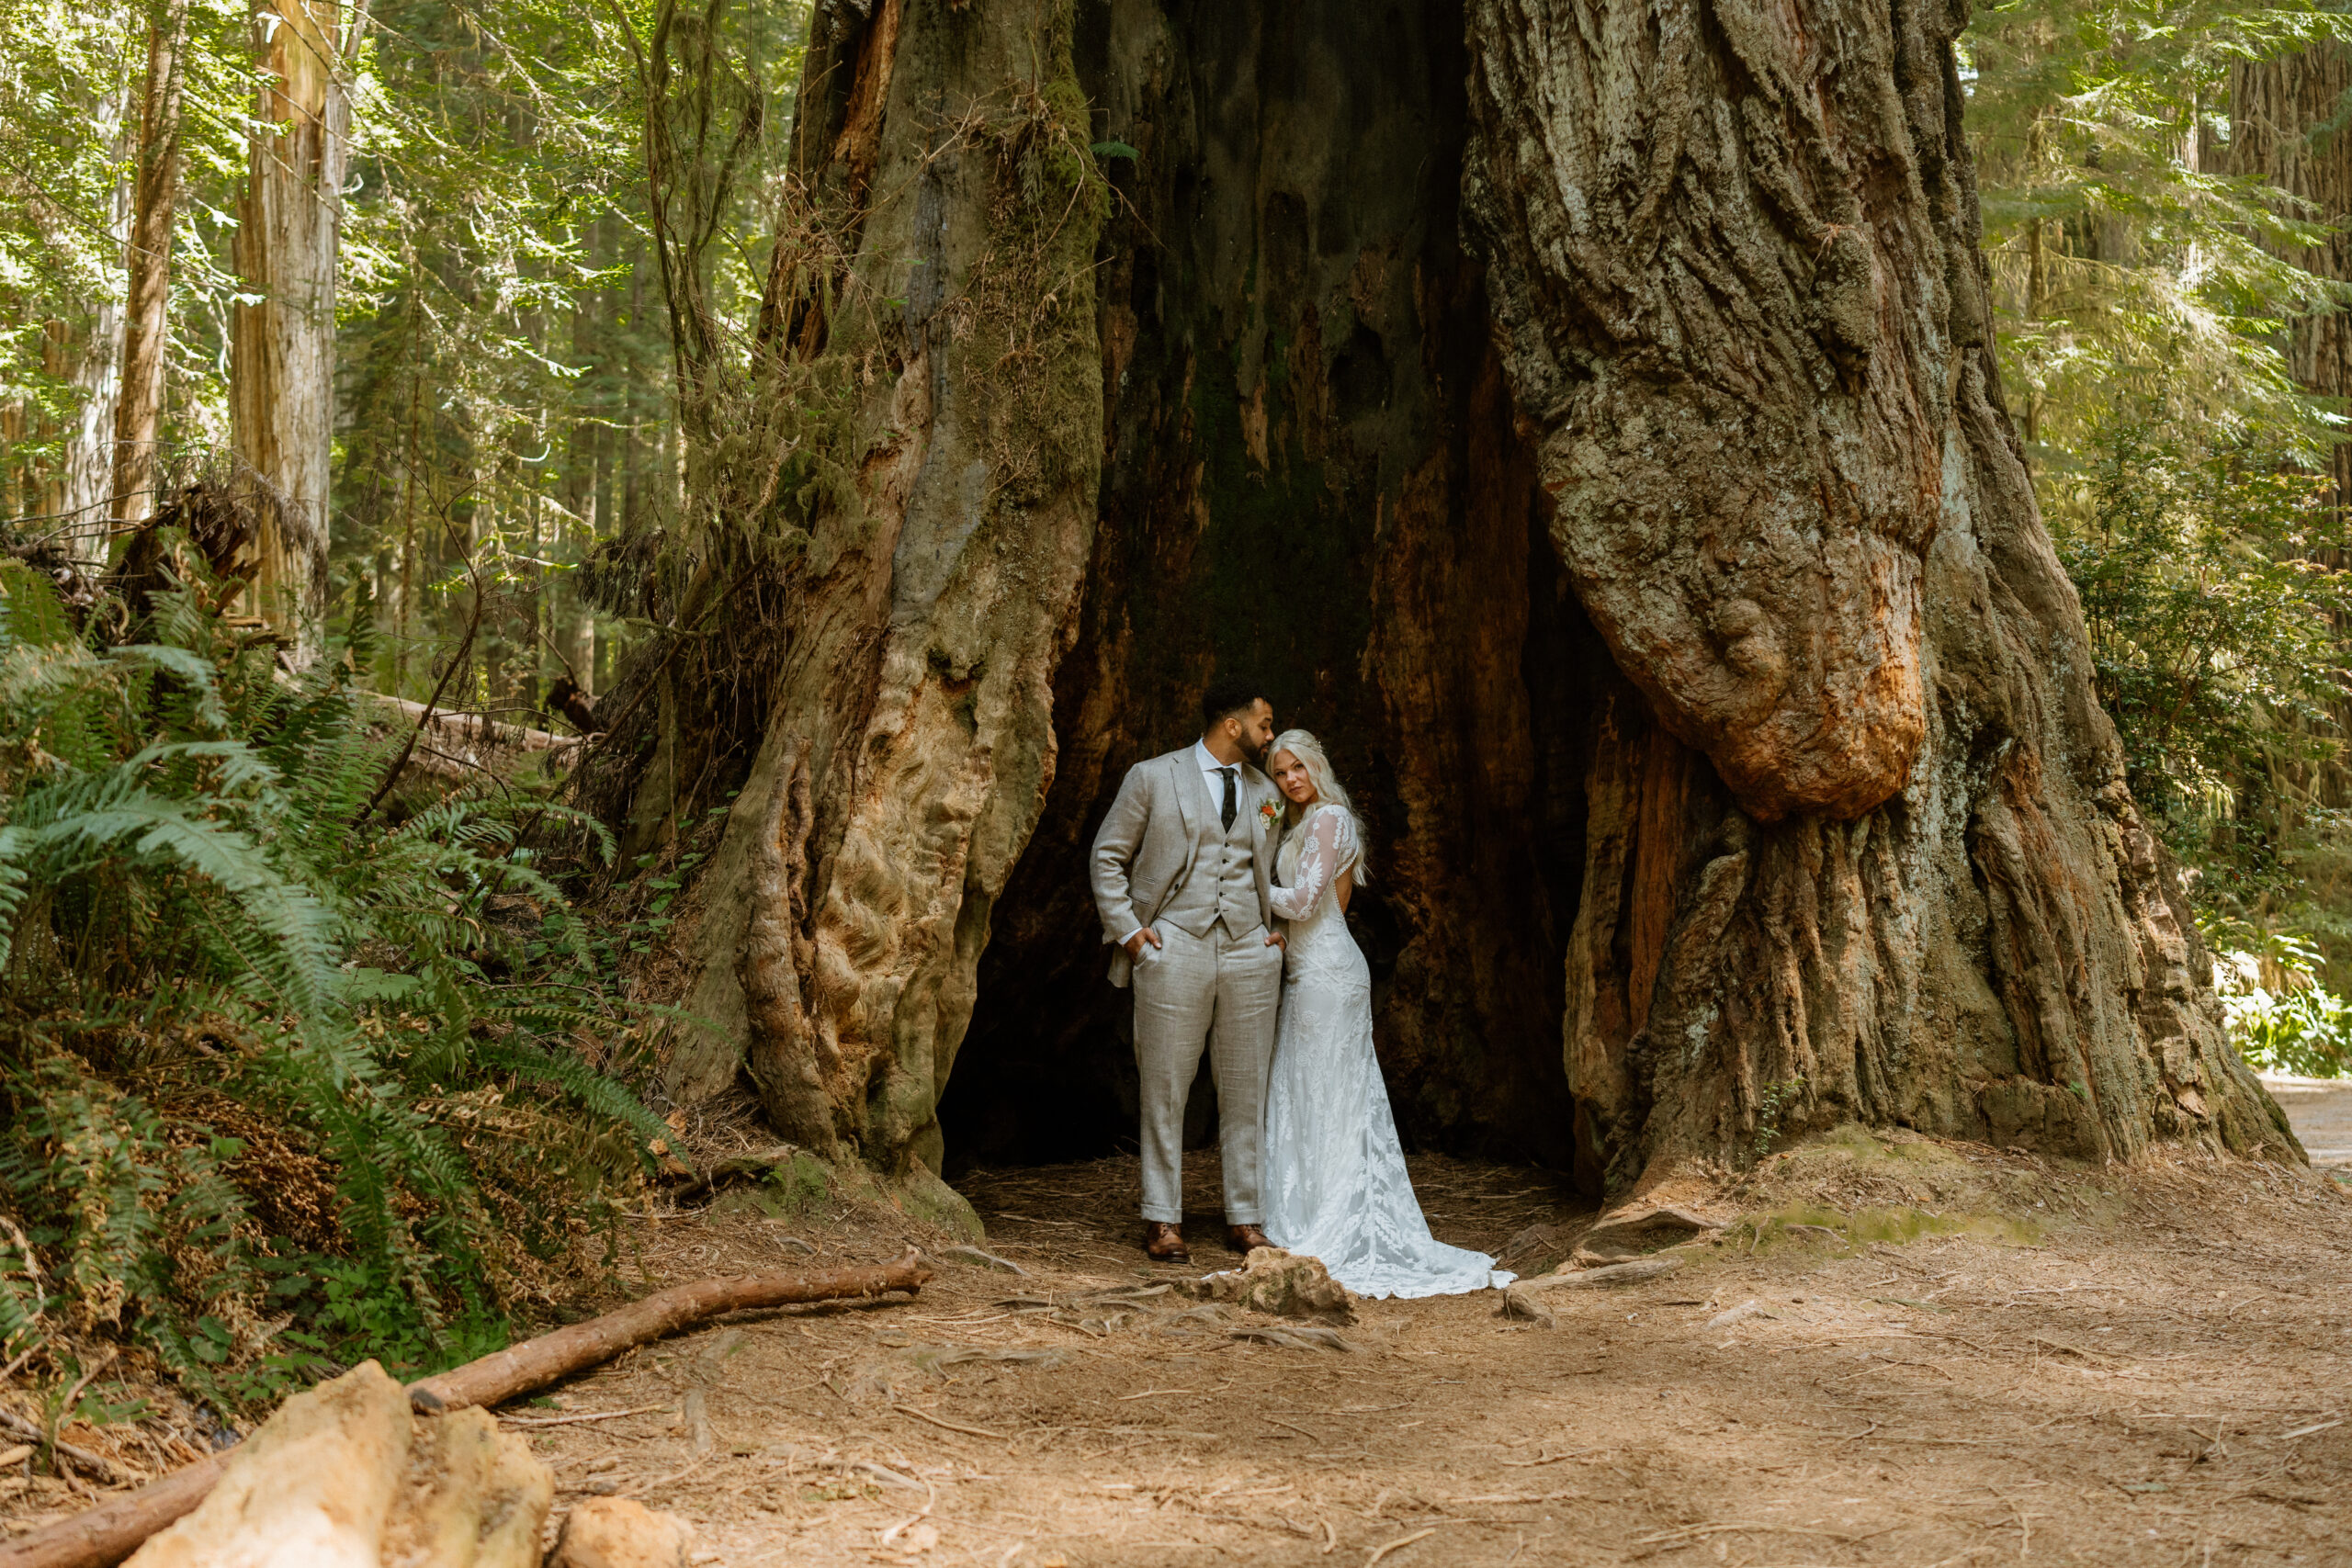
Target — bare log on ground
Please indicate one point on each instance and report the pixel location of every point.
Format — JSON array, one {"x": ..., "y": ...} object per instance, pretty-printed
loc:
[
  {"x": 459, "y": 748},
  {"x": 536, "y": 1363},
  {"x": 106, "y": 1534}
]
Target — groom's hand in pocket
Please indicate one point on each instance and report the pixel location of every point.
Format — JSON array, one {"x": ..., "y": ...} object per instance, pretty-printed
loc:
[{"x": 1134, "y": 944}]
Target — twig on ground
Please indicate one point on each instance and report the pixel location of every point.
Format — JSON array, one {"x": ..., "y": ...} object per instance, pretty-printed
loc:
[
  {"x": 570, "y": 1420},
  {"x": 950, "y": 1425},
  {"x": 1399, "y": 1544}
]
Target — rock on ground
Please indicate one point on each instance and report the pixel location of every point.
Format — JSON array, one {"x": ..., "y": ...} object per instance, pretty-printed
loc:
[
  {"x": 346, "y": 1476},
  {"x": 617, "y": 1532},
  {"x": 1279, "y": 1283}
]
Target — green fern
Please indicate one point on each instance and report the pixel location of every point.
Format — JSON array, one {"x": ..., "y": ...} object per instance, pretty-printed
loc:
[{"x": 183, "y": 855}]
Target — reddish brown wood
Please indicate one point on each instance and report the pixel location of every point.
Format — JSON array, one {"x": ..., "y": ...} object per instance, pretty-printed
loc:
[
  {"x": 106, "y": 1534},
  {"x": 550, "y": 1358}
]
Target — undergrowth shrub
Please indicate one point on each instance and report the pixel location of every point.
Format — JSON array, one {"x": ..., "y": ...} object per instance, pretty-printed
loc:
[{"x": 285, "y": 1079}]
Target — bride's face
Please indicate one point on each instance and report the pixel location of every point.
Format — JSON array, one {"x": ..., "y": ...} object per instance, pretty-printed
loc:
[{"x": 1290, "y": 776}]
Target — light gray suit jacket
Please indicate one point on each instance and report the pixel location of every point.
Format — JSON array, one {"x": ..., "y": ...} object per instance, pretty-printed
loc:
[{"x": 1146, "y": 848}]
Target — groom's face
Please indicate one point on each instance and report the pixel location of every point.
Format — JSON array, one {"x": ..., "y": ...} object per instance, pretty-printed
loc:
[{"x": 1257, "y": 731}]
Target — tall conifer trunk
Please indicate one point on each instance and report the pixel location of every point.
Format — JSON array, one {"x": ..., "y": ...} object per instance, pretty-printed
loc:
[
  {"x": 1583, "y": 411},
  {"x": 2281, "y": 115},
  {"x": 281, "y": 362},
  {"x": 146, "y": 327}
]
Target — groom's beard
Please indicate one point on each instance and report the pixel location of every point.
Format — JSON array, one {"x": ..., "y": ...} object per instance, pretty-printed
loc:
[{"x": 1255, "y": 755}]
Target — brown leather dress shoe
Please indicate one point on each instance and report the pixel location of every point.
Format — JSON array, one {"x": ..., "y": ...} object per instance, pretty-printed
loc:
[
  {"x": 1244, "y": 1239},
  {"x": 1164, "y": 1243}
]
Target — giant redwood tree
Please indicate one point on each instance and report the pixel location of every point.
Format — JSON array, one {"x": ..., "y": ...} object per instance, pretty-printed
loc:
[{"x": 1582, "y": 412}]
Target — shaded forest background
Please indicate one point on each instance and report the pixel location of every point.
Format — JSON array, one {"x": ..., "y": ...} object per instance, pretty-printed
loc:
[{"x": 384, "y": 1028}]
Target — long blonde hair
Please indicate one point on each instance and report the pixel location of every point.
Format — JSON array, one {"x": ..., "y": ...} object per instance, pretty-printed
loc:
[{"x": 1328, "y": 791}]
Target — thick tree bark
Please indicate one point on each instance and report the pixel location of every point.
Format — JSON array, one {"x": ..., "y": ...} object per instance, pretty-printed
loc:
[
  {"x": 1733, "y": 262},
  {"x": 147, "y": 265},
  {"x": 1660, "y": 566},
  {"x": 2276, "y": 106},
  {"x": 910, "y": 740},
  {"x": 281, "y": 360}
]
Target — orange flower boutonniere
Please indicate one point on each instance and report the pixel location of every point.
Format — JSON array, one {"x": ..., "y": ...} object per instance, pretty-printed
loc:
[{"x": 1267, "y": 812}]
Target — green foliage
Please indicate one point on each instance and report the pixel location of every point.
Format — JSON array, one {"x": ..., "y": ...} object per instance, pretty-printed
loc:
[
  {"x": 223, "y": 981},
  {"x": 2144, "y": 296},
  {"x": 2128, "y": 272},
  {"x": 2281, "y": 1018},
  {"x": 2214, "y": 613},
  {"x": 1769, "y": 1107}
]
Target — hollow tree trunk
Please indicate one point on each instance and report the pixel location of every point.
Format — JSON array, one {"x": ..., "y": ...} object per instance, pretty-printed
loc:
[
  {"x": 1313, "y": 478},
  {"x": 1872, "y": 832},
  {"x": 147, "y": 265},
  {"x": 281, "y": 360},
  {"x": 1660, "y": 566},
  {"x": 911, "y": 742}
]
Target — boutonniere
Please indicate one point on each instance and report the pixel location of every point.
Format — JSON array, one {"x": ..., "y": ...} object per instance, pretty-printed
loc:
[{"x": 1267, "y": 812}]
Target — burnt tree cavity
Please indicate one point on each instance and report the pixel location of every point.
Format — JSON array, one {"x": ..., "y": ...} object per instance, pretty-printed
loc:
[{"x": 1311, "y": 473}]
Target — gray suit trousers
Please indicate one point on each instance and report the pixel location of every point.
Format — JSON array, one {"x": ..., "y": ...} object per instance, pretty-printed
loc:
[{"x": 1219, "y": 991}]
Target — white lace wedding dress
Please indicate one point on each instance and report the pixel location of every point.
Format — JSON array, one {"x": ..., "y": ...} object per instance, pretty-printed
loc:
[{"x": 1336, "y": 1185}]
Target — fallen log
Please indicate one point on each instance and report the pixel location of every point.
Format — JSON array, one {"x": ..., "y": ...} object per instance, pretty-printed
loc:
[
  {"x": 470, "y": 731},
  {"x": 535, "y": 1363},
  {"x": 103, "y": 1536}
]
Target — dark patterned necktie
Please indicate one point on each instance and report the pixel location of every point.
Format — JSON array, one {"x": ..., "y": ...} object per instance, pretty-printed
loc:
[{"x": 1229, "y": 806}]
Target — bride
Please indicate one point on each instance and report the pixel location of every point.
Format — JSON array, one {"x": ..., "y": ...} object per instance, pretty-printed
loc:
[{"x": 1336, "y": 1185}]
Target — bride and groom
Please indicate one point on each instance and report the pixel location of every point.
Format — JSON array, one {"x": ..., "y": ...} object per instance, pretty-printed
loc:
[{"x": 1226, "y": 892}]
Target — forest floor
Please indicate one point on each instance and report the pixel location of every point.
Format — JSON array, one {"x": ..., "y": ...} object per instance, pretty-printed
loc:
[
  {"x": 1961, "y": 1356},
  {"x": 1900, "y": 1351}
]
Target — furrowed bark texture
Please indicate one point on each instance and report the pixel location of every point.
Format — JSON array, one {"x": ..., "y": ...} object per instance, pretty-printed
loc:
[
  {"x": 911, "y": 742},
  {"x": 1869, "y": 827},
  {"x": 1312, "y": 478},
  {"x": 281, "y": 358},
  {"x": 1659, "y": 566},
  {"x": 2280, "y": 114}
]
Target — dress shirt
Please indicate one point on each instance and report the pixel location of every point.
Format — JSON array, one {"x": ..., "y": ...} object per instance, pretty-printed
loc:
[{"x": 1212, "y": 774}]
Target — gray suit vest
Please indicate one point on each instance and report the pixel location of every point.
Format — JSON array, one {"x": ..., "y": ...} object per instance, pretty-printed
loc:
[{"x": 1223, "y": 883}]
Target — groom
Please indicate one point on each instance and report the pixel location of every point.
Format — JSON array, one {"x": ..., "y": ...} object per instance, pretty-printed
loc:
[{"x": 1180, "y": 879}]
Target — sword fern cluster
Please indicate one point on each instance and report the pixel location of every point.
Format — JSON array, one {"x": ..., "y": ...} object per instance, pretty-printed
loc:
[{"x": 276, "y": 1079}]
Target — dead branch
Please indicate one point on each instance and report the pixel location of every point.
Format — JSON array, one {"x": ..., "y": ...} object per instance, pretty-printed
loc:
[
  {"x": 106, "y": 1534},
  {"x": 471, "y": 730},
  {"x": 550, "y": 1358}
]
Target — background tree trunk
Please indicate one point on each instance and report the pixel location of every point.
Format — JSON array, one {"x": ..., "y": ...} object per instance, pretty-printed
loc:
[
  {"x": 147, "y": 265},
  {"x": 97, "y": 376},
  {"x": 281, "y": 361},
  {"x": 1660, "y": 565},
  {"x": 2276, "y": 109}
]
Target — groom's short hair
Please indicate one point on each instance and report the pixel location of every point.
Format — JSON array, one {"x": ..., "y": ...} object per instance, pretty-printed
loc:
[{"x": 1228, "y": 695}]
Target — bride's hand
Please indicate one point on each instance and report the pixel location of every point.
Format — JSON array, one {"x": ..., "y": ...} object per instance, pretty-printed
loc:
[{"x": 1274, "y": 939}]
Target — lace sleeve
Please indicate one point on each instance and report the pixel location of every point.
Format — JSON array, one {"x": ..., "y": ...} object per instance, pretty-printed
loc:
[{"x": 1318, "y": 866}]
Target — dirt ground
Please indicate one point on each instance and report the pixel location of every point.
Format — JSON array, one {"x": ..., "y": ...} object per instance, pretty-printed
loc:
[
  {"x": 1897, "y": 1351},
  {"x": 1955, "y": 1356}
]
